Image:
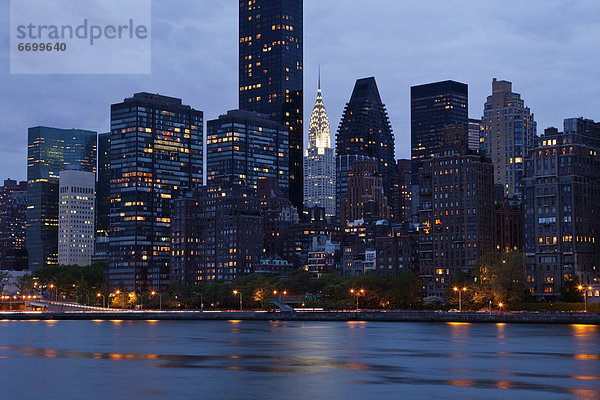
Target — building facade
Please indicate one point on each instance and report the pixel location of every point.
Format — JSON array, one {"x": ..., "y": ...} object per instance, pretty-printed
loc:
[
  {"x": 474, "y": 133},
  {"x": 13, "y": 214},
  {"x": 365, "y": 131},
  {"x": 365, "y": 198},
  {"x": 432, "y": 107},
  {"x": 103, "y": 186},
  {"x": 319, "y": 161},
  {"x": 456, "y": 212},
  {"x": 508, "y": 133},
  {"x": 51, "y": 150},
  {"x": 156, "y": 151},
  {"x": 76, "y": 215},
  {"x": 397, "y": 252},
  {"x": 216, "y": 233},
  {"x": 404, "y": 192},
  {"x": 271, "y": 73},
  {"x": 561, "y": 202},
  {"x": 509, "y": 226},
  {"x": 247, "y": 146}
]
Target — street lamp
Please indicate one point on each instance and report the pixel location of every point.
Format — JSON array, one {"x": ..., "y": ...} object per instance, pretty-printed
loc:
[
  {"x": 500, "y": 305},
  {"x": 131, "y": 296},
  {"x": 585, "y": 289},
  {"x": 52, "y": 286},
  {"x": 357, "y": 293},
  {"x": 153, "y": 293},
  {"x": 464, "y": 289},
  {"x": 103, "y": 299},
  {"x": 117, "y": 293},
  {"x": 236, "y": 292}
]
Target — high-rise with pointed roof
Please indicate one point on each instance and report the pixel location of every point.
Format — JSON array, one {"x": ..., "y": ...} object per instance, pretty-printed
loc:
[
  {"x": 319, "y": 133},
  {"x": 319, "y": 161},
  {"x": 365, "y": 132}
]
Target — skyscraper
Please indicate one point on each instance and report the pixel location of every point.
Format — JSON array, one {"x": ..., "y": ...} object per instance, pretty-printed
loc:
[
  {"x": 247, "y": 146},
  {"x": 404, "y": 192},
  {"x": 456, "y": 212},
  {"x": 365, "y": 131},
  {"x": 156, "y": 147},
  {"x": 270, "y": 72},
  {"x": 13, "y": 209},
  {"x": 319, "y": 161},
  {"x": 508, "y": 134},
  {"x": 76, "y": 214},
  {"x": 561, "y": 203},
  {"x": 474, "y": 134},
  {"x": 432, "y": 107},
  {"x": 103, "y": 185},
  {"x": 51, "y": 150}
]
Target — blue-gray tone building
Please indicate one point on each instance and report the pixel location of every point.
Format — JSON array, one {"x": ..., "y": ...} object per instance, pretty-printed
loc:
[
  {"x": 156, "y": 152},
  {"x": 49, "y": 151},
  {"x": 508, "y": 132},
  {"x": 248, "y": 146},
  {"x": 271, "y": 73},
  {"x": 561, "y": 203}
]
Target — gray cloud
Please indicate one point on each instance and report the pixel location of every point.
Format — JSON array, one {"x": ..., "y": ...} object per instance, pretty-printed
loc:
[{"x": 549, "y": 49}]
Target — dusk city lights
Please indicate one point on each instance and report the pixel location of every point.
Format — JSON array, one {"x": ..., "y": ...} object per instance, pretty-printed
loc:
[{"x": 298, "y": 199}]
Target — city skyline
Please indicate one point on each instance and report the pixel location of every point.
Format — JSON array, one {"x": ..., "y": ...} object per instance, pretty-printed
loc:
[{"x": 392, "y": 52}]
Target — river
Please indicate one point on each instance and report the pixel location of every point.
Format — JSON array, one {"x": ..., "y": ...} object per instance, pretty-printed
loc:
[{"x": 296, "y": 360}]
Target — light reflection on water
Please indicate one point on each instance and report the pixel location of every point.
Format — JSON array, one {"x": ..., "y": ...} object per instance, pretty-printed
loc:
[{"x": 283, "y": 359}]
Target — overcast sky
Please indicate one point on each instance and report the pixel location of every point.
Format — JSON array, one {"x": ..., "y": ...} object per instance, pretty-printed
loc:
[{"x": 549, "y": 49}]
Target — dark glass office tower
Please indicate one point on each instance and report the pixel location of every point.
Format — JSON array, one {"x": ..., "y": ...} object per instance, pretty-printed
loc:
[
  {"x": 103, "y": 185},
  {"x": 432, "y": 107},
  {"x": 155, "y": 153},
  {"x": 270, "y": 72},
  {"x": 247, "y": 146},
  {"x": 13, "y": 216},
  {"x": 365, "y": 130},
  {"x": 50, "y": 150}
]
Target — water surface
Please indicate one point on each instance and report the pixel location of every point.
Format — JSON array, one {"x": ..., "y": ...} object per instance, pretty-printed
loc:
[{"x": 293, "y": 360}]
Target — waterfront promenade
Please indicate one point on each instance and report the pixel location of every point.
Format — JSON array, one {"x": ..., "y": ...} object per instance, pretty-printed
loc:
[{"x": 329, "y": 315}]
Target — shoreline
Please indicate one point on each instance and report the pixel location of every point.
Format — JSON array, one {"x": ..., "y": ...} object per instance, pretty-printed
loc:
[{"x": 341, "y": 316}]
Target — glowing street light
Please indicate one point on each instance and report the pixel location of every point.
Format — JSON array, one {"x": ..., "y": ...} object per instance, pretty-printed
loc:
[
  {"x": 153, "y": 293},
  {"x": 585, "y": 289},
  {"x": 236, "y": 292},
  {"x": 500, "y": 305},
  {"x": 131, "y": 297},
  {"x": 357, "y": 293},
  {"x": 103, "y": 299},
  {"x": 52, "y": 286},
  {"x": 464, "y": 289}
]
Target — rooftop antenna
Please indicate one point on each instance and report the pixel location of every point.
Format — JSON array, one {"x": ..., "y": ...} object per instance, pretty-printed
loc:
[{"x": 319, "y": 76}]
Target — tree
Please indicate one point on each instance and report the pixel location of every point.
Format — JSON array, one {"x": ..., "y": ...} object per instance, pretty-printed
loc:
[
  {"x": 500, "y": 278},
  {"x": 570, "y": 292},
  {"x": 73, "y": 281},
  {"x": 3, "y": 280},
  {"x": 124, "y": 300},
  {"x": 25, "y": 284}
]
